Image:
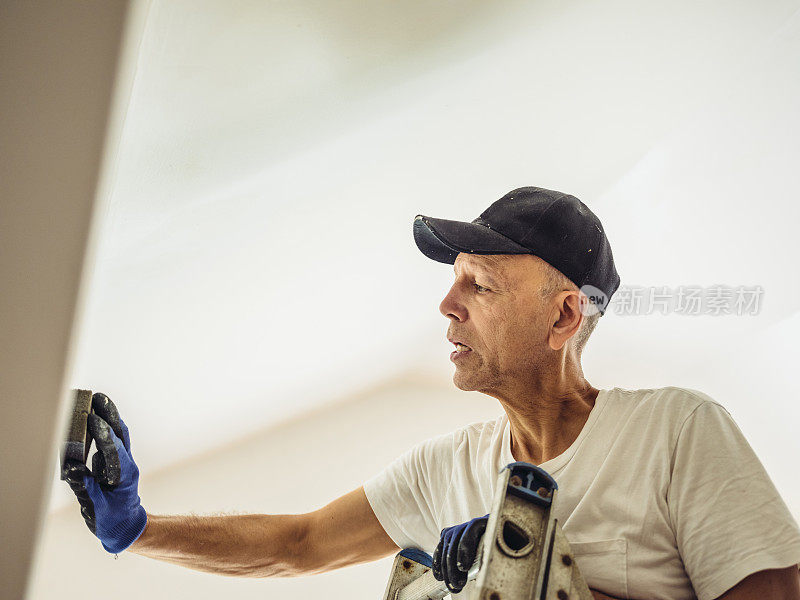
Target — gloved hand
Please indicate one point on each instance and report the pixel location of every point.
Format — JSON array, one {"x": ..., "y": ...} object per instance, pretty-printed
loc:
[
  {"x": 113, "y": 512},
  {"x": 457, "y": 549}
]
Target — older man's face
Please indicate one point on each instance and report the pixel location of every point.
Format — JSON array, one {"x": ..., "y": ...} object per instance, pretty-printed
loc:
[{"x": 496, "y": 310}]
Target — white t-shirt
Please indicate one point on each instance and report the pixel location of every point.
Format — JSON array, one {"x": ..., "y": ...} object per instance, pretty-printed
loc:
[{"x": 660, "y": 495}]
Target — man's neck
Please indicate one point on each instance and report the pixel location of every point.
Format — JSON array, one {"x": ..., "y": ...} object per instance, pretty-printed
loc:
[{"x": 546, "y": 421}]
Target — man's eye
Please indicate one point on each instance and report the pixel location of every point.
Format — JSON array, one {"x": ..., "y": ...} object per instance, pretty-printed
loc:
[{"x": 480, "y": 288}]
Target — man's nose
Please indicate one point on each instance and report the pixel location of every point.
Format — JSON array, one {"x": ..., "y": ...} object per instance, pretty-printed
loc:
[{"x": 452, "y": 308}]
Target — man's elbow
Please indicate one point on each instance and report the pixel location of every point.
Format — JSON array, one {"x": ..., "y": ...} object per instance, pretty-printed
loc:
[
  {"x": 312, "y": 552},
  {"x": 300, "y": 556},
  {"x": 291, "y": 556}
]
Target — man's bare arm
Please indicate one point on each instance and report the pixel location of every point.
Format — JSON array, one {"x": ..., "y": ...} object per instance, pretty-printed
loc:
[
  {"x": 771, "y": 584},
  {"x": 345, "y": 532},
  {"x": 601, "y": 596}
]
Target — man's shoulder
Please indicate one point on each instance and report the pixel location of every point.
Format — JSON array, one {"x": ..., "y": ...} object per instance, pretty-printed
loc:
[
  {"x": 474, "y": 433},
  {"x": 672, "y": 401},
  {"x": 480, "y": 429}
]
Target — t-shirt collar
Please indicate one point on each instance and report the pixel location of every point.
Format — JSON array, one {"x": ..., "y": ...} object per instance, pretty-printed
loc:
[{"x": 557, "y": 462}]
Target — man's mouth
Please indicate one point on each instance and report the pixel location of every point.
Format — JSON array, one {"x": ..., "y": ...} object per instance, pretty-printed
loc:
[
  {"x": 460, "y": 351},
  {"x": 461, "y": 348}
]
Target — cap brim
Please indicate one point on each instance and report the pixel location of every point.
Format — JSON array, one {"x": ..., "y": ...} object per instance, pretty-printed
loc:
[{"x": 442, "y": 240}]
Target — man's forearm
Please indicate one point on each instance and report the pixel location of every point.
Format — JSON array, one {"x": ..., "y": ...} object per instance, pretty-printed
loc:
[{"x": 235, "y": 545}]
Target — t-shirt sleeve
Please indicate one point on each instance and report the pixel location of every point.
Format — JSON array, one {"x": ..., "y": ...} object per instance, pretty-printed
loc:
[
  {"x": 406, "y": 496},
  {"x": 728, "y": 517}
]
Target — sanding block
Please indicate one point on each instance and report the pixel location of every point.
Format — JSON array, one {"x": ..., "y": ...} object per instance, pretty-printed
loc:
[
  {"x": 93, "y": 418},
  {"x": 76, "y": 447}
]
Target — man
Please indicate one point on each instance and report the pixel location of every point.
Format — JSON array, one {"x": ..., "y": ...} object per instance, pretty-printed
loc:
[{"x": 660, "y": 495}]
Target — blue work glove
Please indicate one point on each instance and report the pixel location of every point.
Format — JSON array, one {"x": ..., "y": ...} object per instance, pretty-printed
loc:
[
  {"x": 457, "y": 549},
  {"x": 108, "y": 494}
]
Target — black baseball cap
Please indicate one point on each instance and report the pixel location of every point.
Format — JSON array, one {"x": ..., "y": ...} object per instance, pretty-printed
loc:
[{"x": 556, "y": 227}]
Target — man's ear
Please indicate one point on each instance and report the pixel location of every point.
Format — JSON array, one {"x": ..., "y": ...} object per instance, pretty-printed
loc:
[{"x": 566, "y": 318}]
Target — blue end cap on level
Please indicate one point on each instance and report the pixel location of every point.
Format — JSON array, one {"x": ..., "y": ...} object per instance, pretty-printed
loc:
[
  {"x": 532, "y": 480},
  {"x": 418, "y": 555}
]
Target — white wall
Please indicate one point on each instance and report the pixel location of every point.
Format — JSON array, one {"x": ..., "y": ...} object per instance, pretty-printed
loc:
[{"x": 274, "y": 156}]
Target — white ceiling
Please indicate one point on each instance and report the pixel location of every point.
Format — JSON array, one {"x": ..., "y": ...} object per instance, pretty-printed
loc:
[{"x": 256, "y": 258}]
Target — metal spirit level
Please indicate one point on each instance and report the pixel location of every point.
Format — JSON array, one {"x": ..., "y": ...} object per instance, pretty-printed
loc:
[{"x": 524, "y": 555}]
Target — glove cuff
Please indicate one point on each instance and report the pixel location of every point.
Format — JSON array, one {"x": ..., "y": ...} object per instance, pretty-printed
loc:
[{"x": 124, "y": 533}]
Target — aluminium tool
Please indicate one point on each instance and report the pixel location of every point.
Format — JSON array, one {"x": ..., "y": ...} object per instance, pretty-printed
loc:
[{"x": 523, "y": 555}]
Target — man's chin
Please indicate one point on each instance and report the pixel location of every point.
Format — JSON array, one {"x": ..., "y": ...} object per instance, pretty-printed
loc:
[{"x": 464, "y": 382}]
